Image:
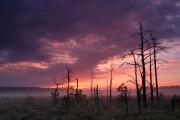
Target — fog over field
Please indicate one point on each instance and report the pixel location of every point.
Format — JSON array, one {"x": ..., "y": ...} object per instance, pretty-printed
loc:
[{"x": 46, "y": 92}]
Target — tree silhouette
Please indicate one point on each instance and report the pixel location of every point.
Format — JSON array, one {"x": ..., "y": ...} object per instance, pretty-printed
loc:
[
  {"x": 69, "y": 78},
  {"x": 107, "y": 89},
  {"x": 110, "y": 84},
  {"x": 142, "y": 48},
  {"x": 92, "y": 79},
  {"x": 156, "y": 48},
  {"x": 55, "y": 93},
  {"x": 138, "y": 87},
  {"x": 124, "y": 93},
  {"x": 77, "y": 90},
  {"x": 151, "y": 81},
  {"x": 135, "y": 78}
]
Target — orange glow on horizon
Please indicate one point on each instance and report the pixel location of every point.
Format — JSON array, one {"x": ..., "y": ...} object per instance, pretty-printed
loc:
[{"x": 167, "y": 75}]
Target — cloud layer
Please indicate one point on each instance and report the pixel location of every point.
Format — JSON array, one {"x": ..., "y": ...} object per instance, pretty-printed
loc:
[{"x": 44, "y": 35}]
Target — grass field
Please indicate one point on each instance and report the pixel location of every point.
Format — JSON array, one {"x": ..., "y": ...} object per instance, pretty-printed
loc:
[{"x": 31, "y": 108}]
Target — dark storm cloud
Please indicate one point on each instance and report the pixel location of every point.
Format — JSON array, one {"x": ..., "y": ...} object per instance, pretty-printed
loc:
[
  {"x": 164, "y": 18},
  {"x": 24, "y": 22}
]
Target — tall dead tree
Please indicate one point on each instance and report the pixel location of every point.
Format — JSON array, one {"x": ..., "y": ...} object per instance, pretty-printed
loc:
[
  {"x": 92, "y": 79},
  {"x": 124, "y": 94},
  {"x": 142, "y": 34},
  {"x": 97, "y": 96},
  {"x": 68, "y": 77},
  {"x": 142, "y": 47},
  {"x": 55, "y": 93},
  {"x": 77, "y": 85},
  {"x": 126, "y": 97},
  {"x": 157, "y": 48},
  {"x": 150, "y": 73},
  {"x": 151, "y": 81},
  {"x": 155, "y": 67},
  {"x": 77, "y": 90},
  {"x": 138, "y": 88},
  {"x": 147, "y": 43},
  {"x": 107, "y": 89},
  {"x": 94, "y": 94},
  {"x": 110, "y": 84},
  {"x": 79, "y": 97},
  {"x": 135, "y": 78}
]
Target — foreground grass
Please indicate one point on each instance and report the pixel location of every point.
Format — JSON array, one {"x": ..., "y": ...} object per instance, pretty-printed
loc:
[{"x": 42, "y": 109}]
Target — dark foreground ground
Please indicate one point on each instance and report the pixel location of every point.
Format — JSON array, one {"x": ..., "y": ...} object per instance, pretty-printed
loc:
[{"x": 31, "y": 108}]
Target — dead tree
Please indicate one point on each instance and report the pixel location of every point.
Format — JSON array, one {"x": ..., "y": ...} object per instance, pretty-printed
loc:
[
  {"x": 97, "y": 96},
  {"x": 107, "y": 89},
  {"x": 142, "y": 47},
  {"x": 78, "y": 95},
  {"x": 147, "y": 42},
  {"x": 135, "y": 78},
  {"x": 150, "y": 74},
  {"x": 155, "y": 67},
  {"x": 77, "y": 90},
  {"x": 142, "y": 34},
  {"x": 138, "y": 87},
  {"x": 123, "y": 90},
  {"x": 68, "y": 77},
  {"x": 126, "y": 97},
  {"x": 157, "y": 48},
  {"x": 55, "y": 93},
  {"x": 77, "y": 85},
  {"x": 92, "y": 79},
  {"x": 110, "y": 84},
  {"x": 151, "y": 81}
]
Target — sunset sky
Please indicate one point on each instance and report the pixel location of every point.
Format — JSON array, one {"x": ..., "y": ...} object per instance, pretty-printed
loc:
[{"x": 39, "y": 37}]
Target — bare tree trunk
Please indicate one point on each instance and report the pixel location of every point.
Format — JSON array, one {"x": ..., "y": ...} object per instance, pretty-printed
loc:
[
  {"x": 138, "y": 94},
  {"x": 55, "y": 94},
  {"x": 155, "y": 70},
  {"x": 68, "y": 81},
  {"x": 95, "y": 94},
  {"x": 156, "y": 49},
  {"x": 107, "y": 90},
  {"x": 110, "y": 87},
  {"x": 124, "y": 94},
  {"x": 92, "y": 78},
  {"x": 151, "y": 83},
  {"x": 77, "y": 85},
  {"x": 126, "y": 98},
  {"x": 97, "y": 97},
  {"x": 77, "y": 91},
  {"x": 143, "y": 66}
]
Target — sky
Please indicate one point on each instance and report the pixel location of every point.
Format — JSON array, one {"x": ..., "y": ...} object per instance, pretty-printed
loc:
[{"x": 38, "y": 38}]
